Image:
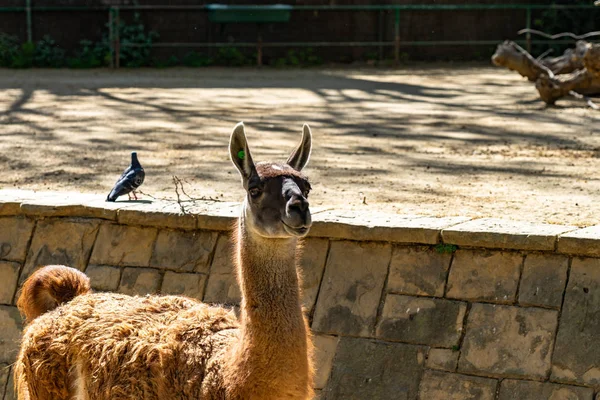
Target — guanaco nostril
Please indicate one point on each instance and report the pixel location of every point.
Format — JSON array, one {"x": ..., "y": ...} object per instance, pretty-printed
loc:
[{"x": 298, "y": 203}]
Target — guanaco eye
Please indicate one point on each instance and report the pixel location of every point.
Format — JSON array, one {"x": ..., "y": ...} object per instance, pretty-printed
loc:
[{"x": 254, "y": 192}]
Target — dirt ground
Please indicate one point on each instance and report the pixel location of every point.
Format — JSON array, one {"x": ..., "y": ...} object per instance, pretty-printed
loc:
[{"x": 430, "y": 140}]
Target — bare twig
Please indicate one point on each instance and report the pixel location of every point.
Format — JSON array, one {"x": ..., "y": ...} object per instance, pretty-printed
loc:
[
  {"x": 560, "y": 35},
  {"x": 544, "y": 54},
  {"x": 589, "y": 101},
  {"x": 534, "y": 61},
  {"x": 182, "y": 196},
  {"x": 152, "y": 197},
  {"x": 178, "y": 183}
]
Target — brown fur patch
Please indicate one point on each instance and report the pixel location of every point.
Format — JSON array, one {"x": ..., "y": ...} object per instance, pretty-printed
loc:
[
  {"x": 268, "y": 170},
  {"x": 50, "y": 287}
]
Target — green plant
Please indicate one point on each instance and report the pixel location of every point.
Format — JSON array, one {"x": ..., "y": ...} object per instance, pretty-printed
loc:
[
  {"x": 299, "y": 58},
  {"x": 90, "y": 55},
  {"x": 48, "y": 54},
  {"x": 445, "y": 248},
  {"x": 9, "y": 48},
  {"x": 195, "y": 59},
  {"x": 230, "y": 56},
  {"x": 24, "y": 57},
  {"x": 136, "y": 42},
  {"x": 553, "y": 21}
]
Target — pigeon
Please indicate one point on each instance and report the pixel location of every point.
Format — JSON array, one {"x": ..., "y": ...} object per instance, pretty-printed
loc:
[{"x": 131, "y": 179}]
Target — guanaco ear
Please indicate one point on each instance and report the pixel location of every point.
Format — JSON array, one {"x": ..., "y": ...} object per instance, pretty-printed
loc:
[
  {"x": 240, "y": 154},
  {"x": 299, "y": 157}
]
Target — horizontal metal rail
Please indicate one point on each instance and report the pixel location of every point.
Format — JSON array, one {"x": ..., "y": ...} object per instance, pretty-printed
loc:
[
  {"x": 342, "y": 44},
  {"x": 259, "y": 44}
]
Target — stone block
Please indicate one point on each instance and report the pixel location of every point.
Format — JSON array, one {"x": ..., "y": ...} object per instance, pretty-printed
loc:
[
  {"x": 421, "y": 320},
  {"x": 504, "y": 234},
  {"x": 183, "y": 251},
  {"x": 312, "y": 264},
  {"x": 211, "y": 216},
  {"x": 349, "y": 305},
  {"x": 186, "y": 284},
  {"x": 527, "y": 390},
  {"x": 122, "y": 245},
  {"x": 10, "y": 386},
  {"x": 222, "y": 287},
  {"x": 4, "y": 375},
  {"x": 15, "y": 233},
  {"x": 61, "y": 204},
  {"x": 325, "y": 347},
  {"x": 355, "y": 225},
  {"x": 484, "y": 275},
  {"x": 543, "y": 281},
  {"x": 157, "y": 213},
  {"x": 140, "y": 281},
  {"x": 583, "y": 242},
  {"x": 9, "y": 276},
  {"x": 104, "y": 278},
  {"x": 576, "y": 356},
  {"x": 60, "y": 241},
  {"x": 445, "y": 386},
  {"x": 442, "y": 359},
  {"x": 368, "y": 369},
  {"x": 418, "y": 270},
  {"x": 10, "y": 340},
  {"x": 508, "y": 341},
  {"x": 11, "y": 199}
]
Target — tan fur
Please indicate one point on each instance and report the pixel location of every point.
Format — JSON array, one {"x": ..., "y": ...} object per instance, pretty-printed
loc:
[
  {"x": 49, "y": 287},
  {"x": 104, "y": 346}
]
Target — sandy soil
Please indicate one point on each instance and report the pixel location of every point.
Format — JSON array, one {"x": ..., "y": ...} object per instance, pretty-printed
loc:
[{"x": 445, "y": 140}]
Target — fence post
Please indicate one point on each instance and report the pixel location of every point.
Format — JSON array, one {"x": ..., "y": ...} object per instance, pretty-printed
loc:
[
  {"x": 111, "y": 44},
  {"x": 117, "y": 38},
  {"x": 397, "y": 37},
  {"x": 29, "y": 23},
  {"x": 380, "y": 35},
  {"x": 259, "y": 45},
  {"x": 528, "y": 26}
]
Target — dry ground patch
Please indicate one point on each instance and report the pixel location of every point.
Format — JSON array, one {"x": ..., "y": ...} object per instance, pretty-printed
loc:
[{"x": 432, "y": 140}]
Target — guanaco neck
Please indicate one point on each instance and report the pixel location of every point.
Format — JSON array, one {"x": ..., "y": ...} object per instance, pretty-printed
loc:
[{"x": 271, "y": 357}]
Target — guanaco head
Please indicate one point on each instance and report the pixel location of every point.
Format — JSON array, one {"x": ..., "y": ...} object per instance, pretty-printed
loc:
[{"x": 276, "y": 202}]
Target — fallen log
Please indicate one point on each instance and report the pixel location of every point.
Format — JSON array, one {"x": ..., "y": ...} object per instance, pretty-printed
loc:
[
  {"x": 513, "y": 57},
  {"x": 510, "y": 55},
  {"x": 584, "y": 81},
  {"x": 552, "y": 85}
]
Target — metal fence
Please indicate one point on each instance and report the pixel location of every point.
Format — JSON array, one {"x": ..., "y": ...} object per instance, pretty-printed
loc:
[{"x": 113, "y": 15}]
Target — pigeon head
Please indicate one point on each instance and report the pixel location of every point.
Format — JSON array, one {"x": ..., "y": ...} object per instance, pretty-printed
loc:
[{"x": 134, "y": 159}]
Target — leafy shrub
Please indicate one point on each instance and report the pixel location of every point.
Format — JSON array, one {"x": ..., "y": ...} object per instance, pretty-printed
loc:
[
  {"x": 299, "y": 58},
  {"x": 24, "y": 57},
  {"x": 195, "y": 59},
  {"x": 90, "y": 55},
  {"x": 231, "y": 57},
  {"x": 136, "y": 43},
  {"x": 578, "y": 21},
  {"x": 48, "y": 54},
  {"x": 9, "y": 48}
]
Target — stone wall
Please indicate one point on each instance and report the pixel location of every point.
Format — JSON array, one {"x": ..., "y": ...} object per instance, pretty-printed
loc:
[{"x": 401, "y": 307}]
